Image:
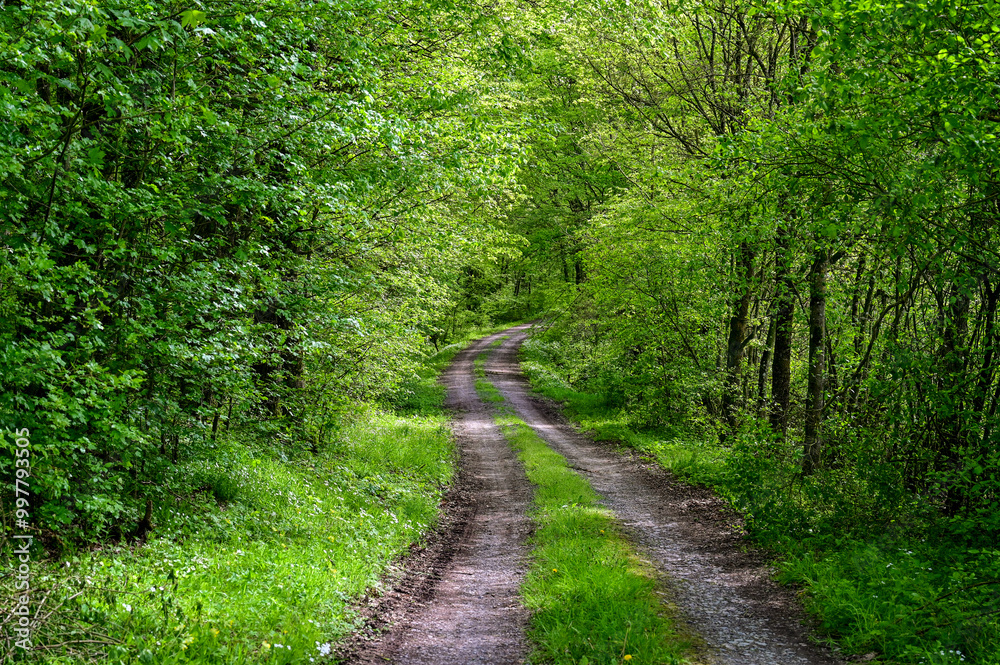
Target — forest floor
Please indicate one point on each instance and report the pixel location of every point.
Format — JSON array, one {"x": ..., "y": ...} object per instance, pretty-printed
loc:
[{"x": 457, "y": 599}]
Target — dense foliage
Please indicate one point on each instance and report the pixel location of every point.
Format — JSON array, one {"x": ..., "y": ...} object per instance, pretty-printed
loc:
[
  {"x": 223, "y": 215},
  {"x": 774, "y": 243},
  {"x": 770, "y": 226},
  {"x": 797, "y": 258}
]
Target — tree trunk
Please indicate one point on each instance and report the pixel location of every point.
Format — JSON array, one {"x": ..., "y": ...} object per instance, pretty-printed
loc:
[
  {"x": 739, "y": 324},
  {"x": 953, "y": 441},
  {"x": 813, "y": 446},
  {"x": 765, "y": 360},
  {"x": 989, "y": 346},
  {"x": 287, "y": 371},
  {"x": 784, "y": 317}
]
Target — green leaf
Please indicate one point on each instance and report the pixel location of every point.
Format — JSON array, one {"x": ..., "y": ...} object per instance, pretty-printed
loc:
[
  {"x": 208, "y": 115},
  {"x": 191, "y": 18},
  {"x": 95, "y": 157}
]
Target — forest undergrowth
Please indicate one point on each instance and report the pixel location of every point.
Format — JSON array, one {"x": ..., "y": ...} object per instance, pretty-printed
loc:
[
  {"x": 888, "y": 579},
  {"x": 257, "y": 554}
]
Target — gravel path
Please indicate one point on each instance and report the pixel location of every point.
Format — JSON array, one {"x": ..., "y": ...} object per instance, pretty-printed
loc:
[
  {"x": 457, "y": 600},
  {"x": 725, "y": 594}
]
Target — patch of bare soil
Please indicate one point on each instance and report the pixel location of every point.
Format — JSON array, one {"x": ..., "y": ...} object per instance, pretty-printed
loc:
[
  {"x": 723, "y": 591},
  {"x": 457, "y": 600}
]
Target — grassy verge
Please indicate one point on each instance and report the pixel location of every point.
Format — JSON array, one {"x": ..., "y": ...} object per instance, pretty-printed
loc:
[
  {"x": 486, "y": 389},
  {"x": 261, "y": 566},
  {"x": 422, "y": 394},
  {"x": 592, "y": 599},
  {"x": 884, "y": 581},
  {"x": 688, "y": 456}
]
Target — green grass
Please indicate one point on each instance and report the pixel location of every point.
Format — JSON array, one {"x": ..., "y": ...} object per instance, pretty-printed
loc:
[
  {"x": 256, "y": 558},
  {"x": 258, "y": 555},
  {"x": 487, "y": 391},
  {"x": 422, "y": 394},
  {"x": 592, "y": 599},
  {"x": 690, "y": 457},
  {"x": 268, "y": 576},
  {"x": 920, "y": 605}
]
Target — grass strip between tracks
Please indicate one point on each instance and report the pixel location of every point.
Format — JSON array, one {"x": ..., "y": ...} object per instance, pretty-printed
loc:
[{"x": 592, "y": 599}]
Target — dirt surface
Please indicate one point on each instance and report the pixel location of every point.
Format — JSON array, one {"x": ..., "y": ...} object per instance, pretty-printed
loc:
[
  {"x": 724, "y": 592},
  {"x": 457, "y": 601}
]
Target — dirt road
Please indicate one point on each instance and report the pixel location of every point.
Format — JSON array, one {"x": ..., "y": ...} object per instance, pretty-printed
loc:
[{"x": 458, "y": 602}]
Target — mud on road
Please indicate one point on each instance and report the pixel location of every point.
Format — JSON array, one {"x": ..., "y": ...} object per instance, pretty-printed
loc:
[{"x": 457, "y": 600}]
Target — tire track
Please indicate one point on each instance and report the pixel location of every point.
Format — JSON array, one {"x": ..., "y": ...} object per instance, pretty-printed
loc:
[
  {"x": 724, "y": 593},
  {"x": 460, "y": 602}
]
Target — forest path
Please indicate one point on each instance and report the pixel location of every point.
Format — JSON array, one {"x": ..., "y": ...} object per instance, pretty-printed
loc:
[
  {"x": 723, "y": 592},
  {"x": 458, "y": 600}
]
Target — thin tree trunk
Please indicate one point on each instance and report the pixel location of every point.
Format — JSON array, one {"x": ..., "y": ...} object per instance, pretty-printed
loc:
[
  {"x": 955, "y": 327},
  {"x": 856, "y": 296},
  {"x": 765, "y": 360},
  {"x": 784, "y": 318},
  {"x": 813, "y": 445},
  {"x": 739, "y": 325},
  {"x": 989, "y": 344},
  {"x": 863, "y": 331}
]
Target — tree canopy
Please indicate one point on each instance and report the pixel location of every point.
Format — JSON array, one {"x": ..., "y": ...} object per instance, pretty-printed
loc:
[{"x": 773, "y": 224}]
